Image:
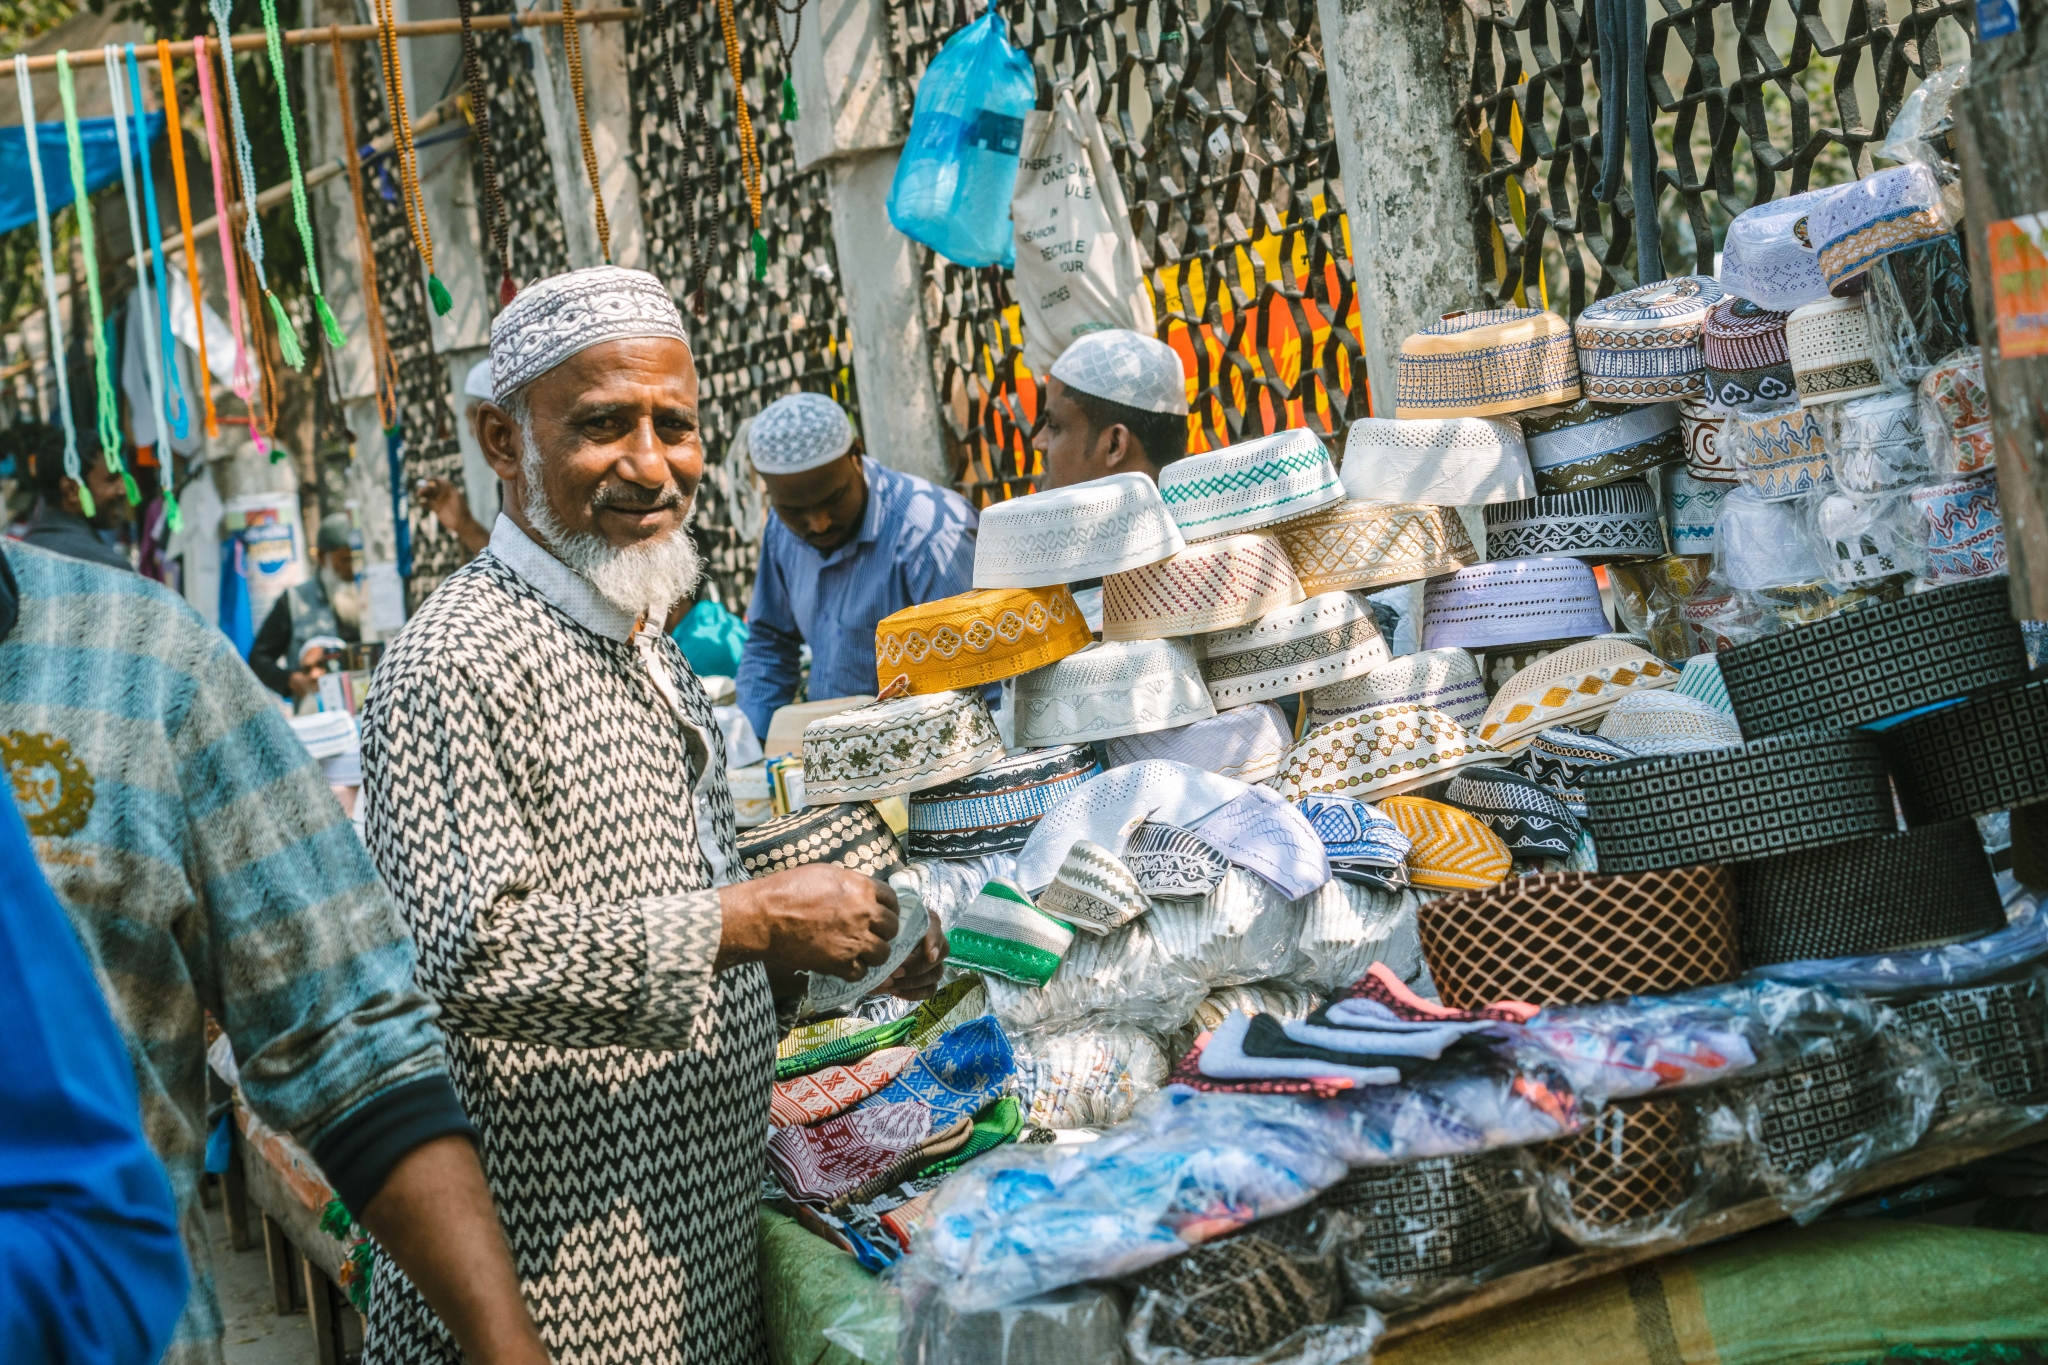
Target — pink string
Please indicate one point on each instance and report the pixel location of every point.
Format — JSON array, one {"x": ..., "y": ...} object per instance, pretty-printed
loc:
[{"x": 244, "y": 381}]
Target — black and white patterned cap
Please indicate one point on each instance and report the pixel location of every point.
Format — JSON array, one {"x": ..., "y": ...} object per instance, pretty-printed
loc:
[
  {"x": 798, "y": 432},
  {"x": 564, "y": 315},
  {"x": 1125, "y": 367}
]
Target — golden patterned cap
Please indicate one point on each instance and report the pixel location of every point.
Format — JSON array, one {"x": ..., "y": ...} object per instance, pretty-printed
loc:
[
  {"x": 1579, "y": 683},
  {"x": 1378, "y": 753},
  {"x": 1482, "y": 364},
  {"x": 1373, "y": 545},
  {"x": 1449, "y": 848},
  {"x": 982, "y": 636}
]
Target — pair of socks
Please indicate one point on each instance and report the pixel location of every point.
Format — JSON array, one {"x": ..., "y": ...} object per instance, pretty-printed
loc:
[{"x": 1226, "y": 1058}]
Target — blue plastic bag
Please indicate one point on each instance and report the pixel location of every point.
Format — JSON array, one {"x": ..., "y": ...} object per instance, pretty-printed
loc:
[{"x": 959, "y": 166}]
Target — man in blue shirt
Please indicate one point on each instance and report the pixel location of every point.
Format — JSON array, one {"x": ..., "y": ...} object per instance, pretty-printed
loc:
[{"x": 851, "y": 542}]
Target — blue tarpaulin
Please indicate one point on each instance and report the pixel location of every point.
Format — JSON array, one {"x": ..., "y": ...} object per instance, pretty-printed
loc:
[{"x": 102, "y": 164}]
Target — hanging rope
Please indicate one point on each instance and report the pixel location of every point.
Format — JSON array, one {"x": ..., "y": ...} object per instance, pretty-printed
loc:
[
  {"x": 167, "y": 345},
  {"x": 252, "y": 228},
  {"x": 693, "y": 137},
  {"x": 407, "y": 158},
  {"x": 750, "y": 155},
  {"x": 263, "y": 402},
  {"x": 49, "y": 259},
  {"x": 274, "y": 37},
  {"x": 496, "y": 222},
  {"x": 572, "y": 47},
  {"x": 152, "y": 360},
  {"x": 169, "y": 77},
  {"x": 381, "y": 363},
  {"x": 109, "y": 409},
  {"x": 242, "y": 381}
]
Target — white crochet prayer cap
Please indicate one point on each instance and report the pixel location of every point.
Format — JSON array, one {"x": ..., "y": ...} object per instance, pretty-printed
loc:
[
  {"x": 799, "y": 431},
  {"x": 478, "y": 384},
  {"x": 1125, "y": 367},
  {"x": 553, "y": 319}
]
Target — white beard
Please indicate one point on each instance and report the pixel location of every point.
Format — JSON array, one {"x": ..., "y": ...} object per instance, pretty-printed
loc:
[
  {"x": 643, "y": 580},
  {"x": 344, "y": 597}
]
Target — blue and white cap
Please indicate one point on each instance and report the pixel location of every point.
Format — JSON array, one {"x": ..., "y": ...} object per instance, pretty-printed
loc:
[
  {"x": 798, "y": 432},
  {"x": 1125, "y": 367}
]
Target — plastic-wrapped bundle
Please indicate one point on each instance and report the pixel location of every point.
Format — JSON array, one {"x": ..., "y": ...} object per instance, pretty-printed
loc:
[
  {"x": 1878, "y": 444},
  {"x": 1281, "y": 999},
  {"x": 1268, "y": 1295},
  {"x": 1996, "y": 1038},
  {"x": 1347, "y": 927},
  {"x": 1083, "y": 1325},
  {"x": 1860, "y": 539},
  {"x": 1955, "y": 414},
  {"x": 949, "y": 885},
  {"x": 1663, "y": 1042},
  {"x": 1920, "y": 307},
  {"x": 1186, "y": 1169},
  {"x": 1088, "y": 1079},
  {"x": 1244, "y": 930},
  {"x": 1760, "y": 544},
  {"x": 1647, "y": 596},
  {"x": 1126, "y": 977},
  {"x": 1518, "y": 1095},
  {"x": 1425, "y": 1230},
  {"x": 1637, "y": 1173},
  {"x": 2023, "y": 940}
]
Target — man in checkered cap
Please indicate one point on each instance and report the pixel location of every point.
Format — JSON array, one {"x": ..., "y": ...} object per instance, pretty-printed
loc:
[{"x": 1116, "y": 402}]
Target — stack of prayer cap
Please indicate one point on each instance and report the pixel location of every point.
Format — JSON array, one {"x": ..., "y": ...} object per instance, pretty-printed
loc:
[
  {"x": 1611, "y": 521},
  {"x": 1782, "y": 454},
  {"x": 1879, "y": 444},
  {"x": 1251, "y": 484},
  {"x": 1559, "y": 758},
  {"x": 1452, "y": 462},
  {"x": 1001, "y": 931},
  {"x": 1443, "y": 680},
  {"x": 1484, "y": 364},
  {"x": 1958, "y": 409},
  {"x": 1965, "y": 533},
  {"x": 1768, "y": 256},
  {"x": 1094, "y": 891},
  {"x": 1574, "y": 686},
  {"x": 850, "y": 835},
  {"x": 1329, "y": 638},
  {"x": 1512, "y": 602},
  {"x": 1379, "y": 753},
  {"x": 1244, "y": 742},
  {"x": 1588, "y": 443},
  {"x": 1746, "y": 357},
  {"x": 1866, "y": 539},
  {"x": 1531, "y": 819},
  {"x": 1858, "y": 224},
  {"x": 1692, "y": 508},
  {"x": 1669, "y": 723},
  {"x": 1834, "y": 354},
  {"x": 1644, "y": 346},
  {"x": 1208, "y": 586},
  {"x": 995, "y": 810},
  {"x": 1761, "y": 544},
  {"x": 959, "y": 643},
  {"x": 893, "y": 748},
  {"x": 1106, "y": 690},
  {"x": 1704, "y": 454},
  {"x": 1064, "y": 535},
  {"x": 1373, "y": 545},
  {"x": 1108, "y": 807},
  {"x": 1172, "y": 863},
  {"x": 1362, "y": 845},
  {"x": 1701, "y": 680},
  {"x": 1449, "y": 849}
]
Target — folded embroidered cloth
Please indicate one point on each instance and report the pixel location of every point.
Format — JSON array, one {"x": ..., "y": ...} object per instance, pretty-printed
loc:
[
  {"x": 939, "y": 1145},
  {"x": 1261, "y": 832},
  {"x": 804, "y": 1037},
  {"x": 1225, "y": 1059},
  {"x": 1189, "y": 1073},
  {"x": 848, "y": 1048},
  {"x": 833, "y": 1090},
  {"x": 947, "y": 1010},
  {"x": 1381, "y": 986},
  {"x": 1003, "y": 932}
]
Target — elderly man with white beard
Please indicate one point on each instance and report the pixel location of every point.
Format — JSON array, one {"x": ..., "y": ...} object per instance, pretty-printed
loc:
[{"x": 548, "y": 800}]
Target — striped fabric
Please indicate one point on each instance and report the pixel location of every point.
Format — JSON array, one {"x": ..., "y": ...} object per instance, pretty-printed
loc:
[{"x": 204, "y": 863}]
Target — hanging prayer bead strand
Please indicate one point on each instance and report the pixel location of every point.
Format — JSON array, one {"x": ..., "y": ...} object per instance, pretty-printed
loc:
[
  {"x": 750, "y": 154},
  {"x": 274, "y": 39},
  {"x": 572, "y": 48},
  {"x": 109, "y": 411},
  {"x": 152, "y": 358},
  {"x": 263, "y": 401},
  {"x": 381, "y": 363},
  {"x": 167, "y": 345},
  {"x": 241, "y": 380},
  {"x": 177, "y": 140},
  {"x": 496, "y": 221},
  {"x": 55, "y": 331},
  {"x": 252, "y": 226},
  {"x": 408, "y": 160},
  {"x": 697, "y": 138},
  {"x": 787, "y": 46}
]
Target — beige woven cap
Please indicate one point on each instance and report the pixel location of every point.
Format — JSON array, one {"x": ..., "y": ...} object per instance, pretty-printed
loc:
[
  {"x": 1373, "y": 545},
  {"x": 1669, "y": 723},
  {"x": 1325, "y": 639},
  {"x": 1211, "y": 585},
  {"x": 1445, "y": 680},
  {"x": 1574, "y": 685},
  {"x": 1379, "y": 753}
]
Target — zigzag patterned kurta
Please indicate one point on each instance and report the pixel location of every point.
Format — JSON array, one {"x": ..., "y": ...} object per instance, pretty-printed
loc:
[{"x": 531, "y": 806}]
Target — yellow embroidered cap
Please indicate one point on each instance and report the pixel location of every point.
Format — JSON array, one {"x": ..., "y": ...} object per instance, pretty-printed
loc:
[
  {"x": 1450, "y": 848},
  {"x": 1579, "y": 683},
  {"x": 978, "y": 637}
]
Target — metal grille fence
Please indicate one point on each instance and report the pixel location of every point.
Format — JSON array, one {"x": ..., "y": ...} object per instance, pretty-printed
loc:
[
  {"x": 1751, "y": 98},
  {"x": 1217, "y": 117}
]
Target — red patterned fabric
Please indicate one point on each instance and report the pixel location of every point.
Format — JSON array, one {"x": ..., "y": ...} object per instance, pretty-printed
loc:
[
  {"x": 835, "y": 1089},
  {"x": 1382, "y": 987}
]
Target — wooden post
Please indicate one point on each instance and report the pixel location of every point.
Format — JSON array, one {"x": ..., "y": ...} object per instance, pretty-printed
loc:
[
  {"x": 320, "y": 1303},
  {"x": 278, "y": 1251},
  {"x": 2001, "y": 134},
  {"x": 235, "y": 1198}
]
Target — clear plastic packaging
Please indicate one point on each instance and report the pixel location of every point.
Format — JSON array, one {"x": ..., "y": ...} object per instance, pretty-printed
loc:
[
  {"x": 1281, "y": 999},
  {"x": 1517, "y": 1095},
  {"x": 1802, "y": 604},
  {"x": 1426, "y": 1230},
  {"x": 1243, "y": 931},
  {"x": 1658, "y": 1043},
  {"x": 1639, "y": 1172},
  {"x": 1127, "y": 977},
  {"x": 1648, "y": 597},
  {"x": 1347, "y": 927},
  {"x": 1082, "y": 1325},
  {"x": 1781, "y": 452},
  {"x": 1919, "y": 308},
  {"x": 1087, "y": 1079},
  {"x": 1861, "y": 539},
  {"x": 948, "y": 885},
  {"x": 1879, "y": 446},
  {"x": 1955, "y": 414},
  {"x": 1761, "y": 544},
  {"x": 1995, "y": 1039},
  {"x": 1721, "y": 616},
  {"x": 2023, "y": 940}
]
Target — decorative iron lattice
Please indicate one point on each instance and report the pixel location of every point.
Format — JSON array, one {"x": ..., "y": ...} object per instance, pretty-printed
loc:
[
  {"x": 526, "y": 175},
  {"x": 1218, "y": 121},
  {"x": 759, "y": 339},
  {"x": 1726, "y": 139}
]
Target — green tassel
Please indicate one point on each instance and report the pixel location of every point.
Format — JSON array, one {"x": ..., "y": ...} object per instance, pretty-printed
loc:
[
  {"x": 438, "y": 292},
  {"x": 335, "y": 336},
  {"x": 173, "y": 518},
  {"x": 128, "y": 487},
  {"x": 276, "y": 453},
  {"x": 760, "y": 245},
  {"x": 287, "y": 338},
  {"x": 788, "y": 100},
  {"x": 85, "y": 505}
]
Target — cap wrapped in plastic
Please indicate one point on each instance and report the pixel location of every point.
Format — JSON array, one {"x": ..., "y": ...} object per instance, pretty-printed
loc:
[
  {"x": 1955, "y": 413},
  {"x": 1965, "y": 533},
  {"x": 1865, "y": 538},
  {"x": 799, "y": 432},
  {"x": 1761, "y": 543},
  {"x": 1879, "y": 445},
  {"x": 1781, "y": 454},
  {"x": 1768, "y": 256},
  {"x": 1834, "y": 352},
  {"x": 1858, "y": 224},
  {"x": 1125, "y": 367}
]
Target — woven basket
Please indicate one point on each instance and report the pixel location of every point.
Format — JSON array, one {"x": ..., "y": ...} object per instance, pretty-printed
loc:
[
  {"x": 1436, "y": 1221},
  {"x": 1578, "y": 938},
  {"x": 1636, "y": 1162},
  {"x": 1997, "y": 1033},
  {"x": 1838, "y": 1091}
]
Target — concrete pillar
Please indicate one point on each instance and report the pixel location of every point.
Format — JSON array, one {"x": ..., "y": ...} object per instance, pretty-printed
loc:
[
  {"x": 854, "y": 113},
  {"x": 1396, "y": 71}
]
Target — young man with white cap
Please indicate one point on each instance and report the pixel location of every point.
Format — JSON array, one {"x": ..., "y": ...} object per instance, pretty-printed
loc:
[
  {"x": 548, "y": 803},
  {"x": 1116, "y": 402},
  {"x": 851, "y": 542}
]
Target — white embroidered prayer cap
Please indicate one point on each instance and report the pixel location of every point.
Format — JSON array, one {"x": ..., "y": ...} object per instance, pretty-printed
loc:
[
  {"x": 1768, "y": 257},
  {"x": 896, "y": 747},
  {"x": 564, "y": 315},
  {"x": 1125, "y": 367},
  {"x": 1445, "y": 680},
  {"x": 1669, "y": 723},
  {"x": 1211, "y": 585},
  {"x": 1450, "y": 461},
  {"x": 1512, "y": 602},
  {"x": 1106, "y": 810},
  {"x": 1117, "y": 687},
  {"x": 1085, "y": 530},
  {"x": 1379, "y": 753},
  {"x": 1245, "y": 742},
  {"x": 1254, "y": 483},
  {"x": 1327, "y": 639},
  {"x": 1094, "y": 891},
  {"x": 1573, "y": 686},
  {"x": 798, "y": 432},
  {"x": 1762, "y": 544}
]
